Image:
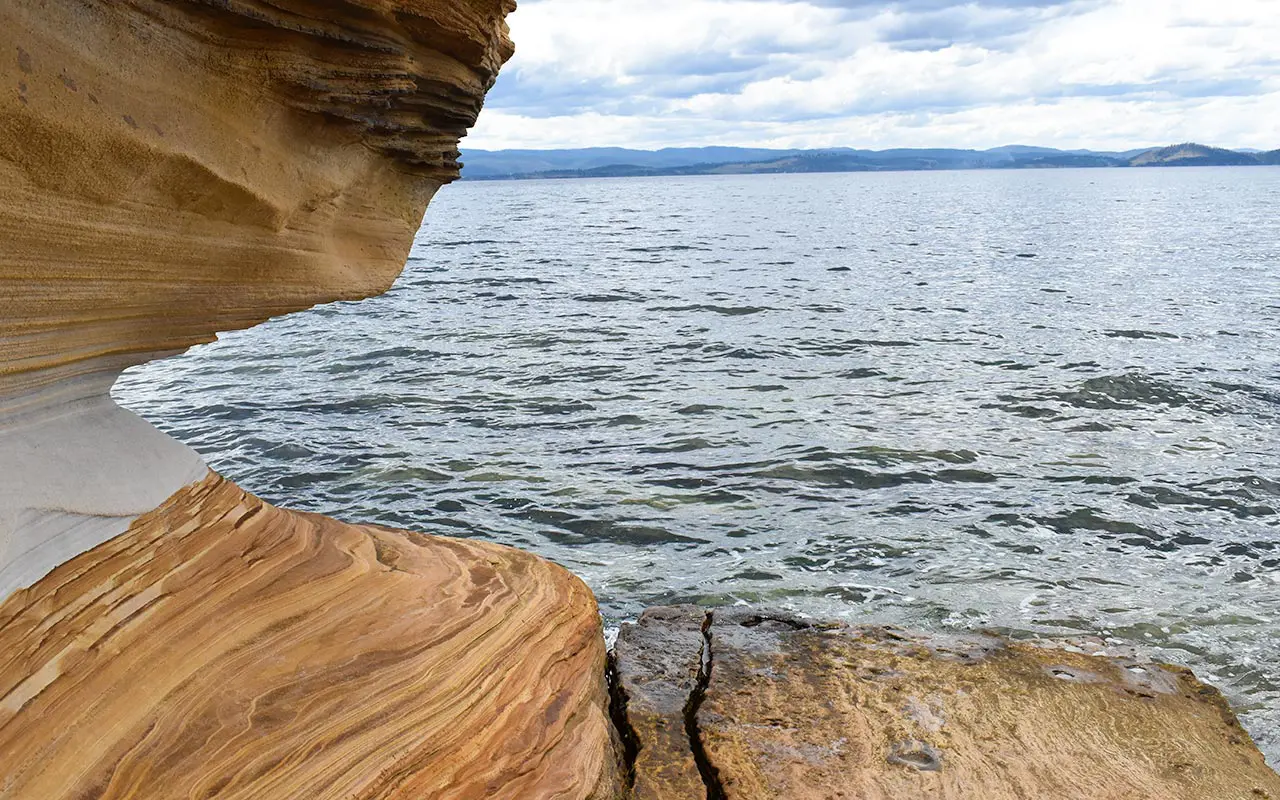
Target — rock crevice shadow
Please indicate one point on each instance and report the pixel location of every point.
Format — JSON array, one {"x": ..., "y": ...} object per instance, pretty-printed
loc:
[{"x": 710, "y": 775}]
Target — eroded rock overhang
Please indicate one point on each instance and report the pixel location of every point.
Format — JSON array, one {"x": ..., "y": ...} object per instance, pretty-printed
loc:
[{"x": 170, "y": 169}]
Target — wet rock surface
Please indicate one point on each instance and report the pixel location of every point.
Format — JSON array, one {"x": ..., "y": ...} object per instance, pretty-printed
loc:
[
  {"x": 774, "y": 706},
  {"x": 658, "y": 675}
]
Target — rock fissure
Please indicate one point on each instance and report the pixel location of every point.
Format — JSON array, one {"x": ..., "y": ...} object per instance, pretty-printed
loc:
[
  {"x": 621, "y": 722},
  {"x": 710, "y": 775}
]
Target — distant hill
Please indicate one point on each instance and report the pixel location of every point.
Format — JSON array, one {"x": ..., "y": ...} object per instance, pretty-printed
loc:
[
  {"x": 602, "y": 162},
  {"x": 1190, "y": 154},
  {"x": 509, "y": 163}
]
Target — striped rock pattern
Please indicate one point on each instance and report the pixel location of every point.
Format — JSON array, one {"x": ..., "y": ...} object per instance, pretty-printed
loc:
[
  {"x": 226, "y": 648},
  {"x": 174, "y": 168},
  {"x": 170, "y": 169}
]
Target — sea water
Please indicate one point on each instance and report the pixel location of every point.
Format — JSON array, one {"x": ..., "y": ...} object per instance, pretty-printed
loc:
[{"x": 1039, "y": 402}]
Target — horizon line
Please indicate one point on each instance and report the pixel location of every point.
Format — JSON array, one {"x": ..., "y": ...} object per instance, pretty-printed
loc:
[{"x": 462, "y": 146}]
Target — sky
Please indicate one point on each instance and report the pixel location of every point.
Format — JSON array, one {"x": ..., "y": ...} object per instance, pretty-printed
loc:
[{"x": 1098, "y": 74}]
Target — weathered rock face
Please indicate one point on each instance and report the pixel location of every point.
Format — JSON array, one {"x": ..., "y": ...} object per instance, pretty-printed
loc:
[
  {"x": 226, "y": 648},
  {"x": 788, "y": 709},
  {"x": 658, "y": 671},
  {"x": 174, "y": 168}
]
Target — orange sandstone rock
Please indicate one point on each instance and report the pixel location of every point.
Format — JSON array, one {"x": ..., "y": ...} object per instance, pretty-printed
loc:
[
  {"x": 174, "y": 168},
  {"x": 226, "y": 648}
]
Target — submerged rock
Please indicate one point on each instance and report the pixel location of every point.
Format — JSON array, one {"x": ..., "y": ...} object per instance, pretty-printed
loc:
[{"x": 790, "y": 708}]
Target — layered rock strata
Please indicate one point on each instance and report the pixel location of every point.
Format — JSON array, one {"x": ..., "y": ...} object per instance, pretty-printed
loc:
[
  {"x": 226, "y": 648},
  {"x": 174, "y": 168},
  {"x": 780, "y": 708}
]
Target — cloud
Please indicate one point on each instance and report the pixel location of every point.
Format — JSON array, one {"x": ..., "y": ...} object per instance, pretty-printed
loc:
[{"x": 1073, "y": 73}]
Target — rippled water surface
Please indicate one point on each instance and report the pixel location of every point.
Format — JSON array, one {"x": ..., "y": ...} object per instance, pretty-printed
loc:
[{"x": 1040, "y": 402}]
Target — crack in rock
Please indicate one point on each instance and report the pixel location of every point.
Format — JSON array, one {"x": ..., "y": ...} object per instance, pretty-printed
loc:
[
  {"x": 710, "y": 775},
  {"x": 621, "y": 722}
]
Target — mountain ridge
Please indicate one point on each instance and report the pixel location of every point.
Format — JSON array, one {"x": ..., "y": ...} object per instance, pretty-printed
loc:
[{"x": 616, "y": 162}]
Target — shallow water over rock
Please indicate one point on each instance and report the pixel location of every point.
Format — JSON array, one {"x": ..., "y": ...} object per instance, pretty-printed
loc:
[{"x": 1038, "y": 402}]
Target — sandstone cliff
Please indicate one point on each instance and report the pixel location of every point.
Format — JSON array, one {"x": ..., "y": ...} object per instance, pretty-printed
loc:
[{"x": 174, "y": 168}]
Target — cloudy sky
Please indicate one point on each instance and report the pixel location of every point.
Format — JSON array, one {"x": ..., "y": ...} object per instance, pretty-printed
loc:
[{"x": 1102, "y": 74}]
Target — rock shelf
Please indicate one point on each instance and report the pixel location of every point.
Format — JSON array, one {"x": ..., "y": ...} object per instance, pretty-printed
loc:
[{"x": 781, "y": 708}]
